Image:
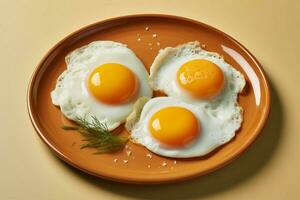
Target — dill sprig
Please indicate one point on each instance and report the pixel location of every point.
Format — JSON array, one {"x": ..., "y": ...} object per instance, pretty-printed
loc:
[{"x": 98, "y": 136}]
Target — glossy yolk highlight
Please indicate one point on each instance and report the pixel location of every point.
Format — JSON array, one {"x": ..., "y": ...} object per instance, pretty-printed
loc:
[
  {"x": 174, "y": 126},
  {"x": 112, "y": 83},
  {"x": 201, "y": 78}
]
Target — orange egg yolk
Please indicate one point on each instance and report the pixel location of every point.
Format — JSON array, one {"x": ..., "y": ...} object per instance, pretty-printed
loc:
[
  {"x": 174, "y": 126},
  {"x": 112, "y": 83},
  {"x": 201, "y": 78}
]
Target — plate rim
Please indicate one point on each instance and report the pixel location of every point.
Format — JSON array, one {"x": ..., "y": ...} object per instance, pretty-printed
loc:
[{"x": 33, "y": 116}]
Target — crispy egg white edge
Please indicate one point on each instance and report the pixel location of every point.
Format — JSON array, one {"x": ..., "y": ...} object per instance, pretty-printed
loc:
[
  {"x": 163, "y": 78},
  {"x": 184, "y": 53}
]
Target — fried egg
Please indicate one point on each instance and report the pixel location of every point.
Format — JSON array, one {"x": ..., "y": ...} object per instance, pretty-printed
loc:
[
  {"x": 198, "y": 77},
  {"x": 173, "y": 128},
  {"x": 103, "y": 79}
]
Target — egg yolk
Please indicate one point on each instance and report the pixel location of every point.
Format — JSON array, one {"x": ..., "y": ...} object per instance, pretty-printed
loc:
[
  {"x": 112, "y": 83},
  {"x": 201, "y": 78},
  {"x": 174, "y": 126}
]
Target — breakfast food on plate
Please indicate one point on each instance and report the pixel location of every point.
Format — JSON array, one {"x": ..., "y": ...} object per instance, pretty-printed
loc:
[
  {"x": 201, "y": 112},
  {"x": 105, "y": 84},
  {"x": 198, "y": 77},
  {"x": 103, "y": 80},
  {"x": 173, "y": 128},
  {"x": 192, "y": 74}
]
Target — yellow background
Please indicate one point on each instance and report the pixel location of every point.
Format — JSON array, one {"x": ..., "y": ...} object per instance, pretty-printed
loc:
[{"x": 268, "y": 170}]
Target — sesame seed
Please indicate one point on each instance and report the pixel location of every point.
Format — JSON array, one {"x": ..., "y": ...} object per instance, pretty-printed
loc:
[
  {"x": 164, "y": 164},
  {"x": 125, "y": 161},
  {"x": 147, "y": 28},
  {"x": 203, "y": 46},
  {"x": 158, "y": 43},
  {"x": 175, "y": 162},
  {"x": 149, "y": 155},
  {"x": 128, "y": 153},
  {"x": 149, "y": 166},
  {"x": 139, "y": 39},
  {"x": 115, "y": 160},
  {"x": 154, "y": 35}
]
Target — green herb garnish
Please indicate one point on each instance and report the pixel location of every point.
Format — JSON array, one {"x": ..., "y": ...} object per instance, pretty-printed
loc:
[{"x": 98, "y": 136}]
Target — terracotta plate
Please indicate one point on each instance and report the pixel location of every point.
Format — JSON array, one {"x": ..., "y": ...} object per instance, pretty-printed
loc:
[{"x": 171, "y": 31}]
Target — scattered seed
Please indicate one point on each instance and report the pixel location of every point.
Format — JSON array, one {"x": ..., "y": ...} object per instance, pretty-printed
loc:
[
  {"x": 154, "y": 35},
  {"x": 175, "y": 162},
  {"x": 128, "y": 153},
  {"x": 115, "y": 160},
  {"x": 147, "y": 28},
  {"x": 164, "y": 164},
  {"x": 158, "y": 43},
  {"x": 149, "y": 166},
  {"x": 149, "y": 155},
  {"x": 203, "y": 46},
  {"x": 125, "y": 161},
  {"x": 139, "y": 39}
]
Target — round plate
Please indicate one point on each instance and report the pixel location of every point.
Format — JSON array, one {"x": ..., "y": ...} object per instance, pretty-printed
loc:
[{"x": 140, "y": 168}]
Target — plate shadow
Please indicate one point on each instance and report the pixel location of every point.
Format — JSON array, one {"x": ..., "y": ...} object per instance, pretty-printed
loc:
[{"x": 249, "y": 164}]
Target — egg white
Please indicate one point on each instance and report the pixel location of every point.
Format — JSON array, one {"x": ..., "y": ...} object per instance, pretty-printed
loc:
[
  {"x": 214, "y": 132},
  {"x": 163, "y": 78},
  {"x": 72, "y": 95}
]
